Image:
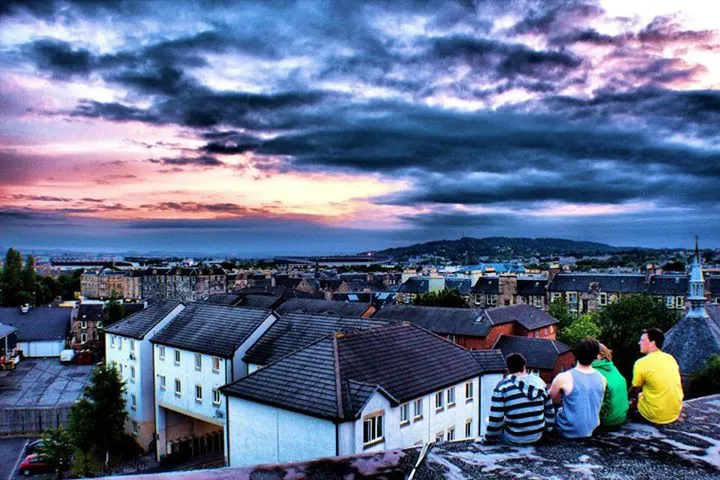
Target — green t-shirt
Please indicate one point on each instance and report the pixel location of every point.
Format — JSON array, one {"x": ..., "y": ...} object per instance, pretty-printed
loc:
[{"x": 615, "y": 402}]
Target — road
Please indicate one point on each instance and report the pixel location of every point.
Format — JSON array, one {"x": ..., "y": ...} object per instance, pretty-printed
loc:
[{"x": 10, "y": 451}]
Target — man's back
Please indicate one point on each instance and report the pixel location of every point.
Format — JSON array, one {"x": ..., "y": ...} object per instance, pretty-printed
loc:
[
  {"x": 520, "y": 410},
  {"x": 580, "y": 412},
  {"x": 659, "y": 376}
]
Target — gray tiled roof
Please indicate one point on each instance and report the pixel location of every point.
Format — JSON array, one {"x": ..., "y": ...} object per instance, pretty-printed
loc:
[
  {"x": 261, "y": 301},
  {"x": 692, "y": 341},
  {"x": 311, "y": 306},
  {"x": 221, "y": 299},
  {"x": 41, "y": 323},
  {"x": 212, "y": 329},
  {"x": 92, "y": 312},
  {"x": 487, "y": 286},
  {"x": 334, "y": 377},
  {"x": 530, "y": 318},
  {"x": 294, "y": 331},
  {"x": 140, "y": 323},
  {"x": 527, "y": 286},
  {"x": 668, "y": 285},
  {"x": 462, "y": 285},
  {"x": 581, "y": 282},
  {"x": 6, "y": 330},
  {"x": 490, "y": 360},
  {"x": 539, "y": 353},
  {"x": 415, "y": 285},
  {"x": 440, "y": 320}
]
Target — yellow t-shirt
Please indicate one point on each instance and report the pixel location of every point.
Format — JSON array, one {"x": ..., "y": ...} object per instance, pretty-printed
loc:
[{"x": 659, "y": 376}]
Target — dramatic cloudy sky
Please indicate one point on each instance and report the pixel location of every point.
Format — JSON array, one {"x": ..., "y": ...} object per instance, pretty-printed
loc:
[{"x": 339, "y": 126}]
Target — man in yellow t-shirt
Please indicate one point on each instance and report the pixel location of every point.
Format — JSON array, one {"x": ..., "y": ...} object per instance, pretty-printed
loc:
[{"x": 656, "y": 377}]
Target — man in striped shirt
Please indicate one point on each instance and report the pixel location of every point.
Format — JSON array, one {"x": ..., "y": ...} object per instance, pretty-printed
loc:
[{"x": 521, "y": 409}]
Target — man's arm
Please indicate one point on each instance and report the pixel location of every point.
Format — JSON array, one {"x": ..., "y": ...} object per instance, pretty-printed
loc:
[
  {"x": 549, "y": 414},
  {"x": 637, "y": 384},
  {"x": 557, "y": 387},
  {"x": 497, "y": 414}
]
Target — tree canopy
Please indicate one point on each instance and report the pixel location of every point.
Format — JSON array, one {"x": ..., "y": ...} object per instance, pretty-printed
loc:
[{"x": 443, "y": 298}]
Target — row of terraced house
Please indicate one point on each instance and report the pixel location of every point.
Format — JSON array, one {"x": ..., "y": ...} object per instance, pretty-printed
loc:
[{"x": 314, "y": 378}]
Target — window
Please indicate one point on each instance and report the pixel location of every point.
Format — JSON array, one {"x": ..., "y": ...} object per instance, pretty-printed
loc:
[
  {"x": 135, "y": 428},
  {"x": 479, "y": 299},
  {"x": 112, "y": 341},
  {"x": 198, "y": 393},
  {"x": 132, "y": 374},
  {"x": 373, "y": 428},
  {"x": 216, "y": 364},
  {"x": 602, "y": 298},
  {"x": 468, "y": 428},
  {"x": 162, "y": 382},
  {"x": 451, "y": 434},
  {"x": 119, "y": 343},
  {"x": 492, "y": 299},
  {"x": 404, "y": 414},
  {"x": 121, "y": 370},
  {"x": 216, "y": 396},
  {"x": 83, "y": 324},
  {"x": 418, "y": 409},
  {"x": 469, "y": 393},
  {"x": 670, "y": 302},
  {"x": 679, "y": 302},
  {"x": 83, "y": 337},
  {"x": 440, "y": 437},
  {"x": 451, "y": 338},
  {"x": 178, "y": 387},
  {"x": 177, "y": 357},
  {"x": 132, "y": 345},
  {"x": 572, "y": 297},
  {"x": 439, "y": 400},
  {"x": 555, "y": 296},
  {"x": 451, "y": 397},
  {"x": 198, "y": 361},
  {"x": 133, "y": 402},
  {"x": 161, "y": 350}
]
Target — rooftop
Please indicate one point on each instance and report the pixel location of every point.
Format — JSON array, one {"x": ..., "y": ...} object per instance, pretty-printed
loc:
[
  {"x": 311, "y": 306},
  {"x": 41, "y": 323},
  {"x": 441, "y": 320},
  {"x": 140, "y": 323}
]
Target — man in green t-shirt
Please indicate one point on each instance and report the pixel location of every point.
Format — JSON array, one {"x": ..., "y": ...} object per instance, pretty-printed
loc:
[{"x": 656, "y": 381}]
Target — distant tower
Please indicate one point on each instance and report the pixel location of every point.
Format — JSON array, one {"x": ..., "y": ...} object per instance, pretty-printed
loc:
[{"x": 697, "y": 287}]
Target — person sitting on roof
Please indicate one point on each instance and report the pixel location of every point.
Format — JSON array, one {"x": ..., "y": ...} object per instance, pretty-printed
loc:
[
  {"x": 521, "y": 410},
  {"x": 615, "y": 402},
  {"x": 580, "y": 393},
  {"x": 656, "y": 381}
]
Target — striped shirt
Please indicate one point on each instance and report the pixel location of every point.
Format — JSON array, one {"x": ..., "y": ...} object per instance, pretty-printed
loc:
[{"x": 521, "y": 410}]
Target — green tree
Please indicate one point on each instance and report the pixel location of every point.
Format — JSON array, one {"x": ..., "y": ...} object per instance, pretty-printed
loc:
[
  {"x": 707, "y": 381},
  {"x": 56, "y": 448},
  {"x": 443, "y": 298},
  {"x": 115, "y": 311},
  {"x": 622, "y": 323},
  {"x": 12, "y": 278},
  {"x": 82, "y": 428},
  {"x": 585, "y": 326},
  {"x": 559, "y": 309}
]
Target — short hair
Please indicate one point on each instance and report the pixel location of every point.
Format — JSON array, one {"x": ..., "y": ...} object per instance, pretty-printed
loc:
[
  {"x": 605, "y": 352},
  {"x": 587, "y": 351},
  {"x": 655, "y": 335},
  {"x": 515, "y": 363}
]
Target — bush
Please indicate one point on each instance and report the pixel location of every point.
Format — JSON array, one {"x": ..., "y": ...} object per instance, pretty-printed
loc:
[
  {"x": 707, "y": 381},
  {"x": 585, "y": 326}
]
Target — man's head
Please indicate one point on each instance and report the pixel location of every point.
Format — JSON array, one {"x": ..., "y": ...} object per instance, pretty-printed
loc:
[
  {"x": 587, "y": 351},
  {"x": 651, "y": 340},
  {"x": 516, "y": 363}
]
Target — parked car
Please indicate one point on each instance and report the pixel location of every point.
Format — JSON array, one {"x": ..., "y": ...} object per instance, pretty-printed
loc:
[
  {"x": 34, "y": 446},
  {"x": 35, "y": 464}
]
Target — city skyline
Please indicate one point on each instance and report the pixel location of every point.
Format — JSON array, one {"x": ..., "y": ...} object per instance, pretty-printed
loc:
[{"x": 316, "y": 127}]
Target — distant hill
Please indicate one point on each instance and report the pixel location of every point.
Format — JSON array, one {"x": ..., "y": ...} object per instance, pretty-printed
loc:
[{"x": 500, "y": 248}]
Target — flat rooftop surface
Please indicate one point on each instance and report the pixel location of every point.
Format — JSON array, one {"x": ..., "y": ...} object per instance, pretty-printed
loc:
[
  {"x": 686, "y": 449},
  {"x": 42, "y": 383}
]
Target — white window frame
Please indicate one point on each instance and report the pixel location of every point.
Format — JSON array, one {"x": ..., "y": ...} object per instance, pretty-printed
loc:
[
  {"x": 373, "y": 428},
  {"x": 450, "y": 434},
  {"x": 198, "y": 362},
  {"x": 178, "y": 388},
  {"x": 133, "y": 402},
  {"x": 161, "y": 352},
  {"x": 469, "y": 391},
  {"x": 440, "y": 401},
  {"x": 418, "y": 409},
  {"x": 468, "y": 428},
  {"x": 440, "y": 437},
  {"x": 679, "y": 302},
  {"x": 83, "y": 337},
  {"x": 120, "y": 343},
  {"x": 670, "y": 302},
  {"x": 198, "y": 390},
  {"x": 572, "y": 298},
  {"x": 132, "y": 345},
  {"x": 83, "y": 324},
  {"x": 216, "y": 364},
  {"x": 135, "y": 427},
  {"x": 404, "y": 414},
  {"x": 555, "y": 296},
  {"x": 132, "y": 373},
  {"x": 112, "y": 341},
  {"x": 450, "y": 397},
  {"x": 602, "y": 298},
  {"x": 163, "y": 382},
  {"x": 176, "y": 356},
  {"x": 492, "y": 300},
  {"x": 216, "y": 396}
]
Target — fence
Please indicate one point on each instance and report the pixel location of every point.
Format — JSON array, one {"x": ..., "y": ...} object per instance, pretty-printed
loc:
[{"x": 32, "y": 420}]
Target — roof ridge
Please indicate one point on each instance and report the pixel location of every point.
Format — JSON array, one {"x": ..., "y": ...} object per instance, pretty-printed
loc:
[{"x": 338, "y": 386}]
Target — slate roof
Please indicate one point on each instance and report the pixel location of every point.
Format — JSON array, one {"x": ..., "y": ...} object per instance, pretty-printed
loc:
[
  {"x": 692, "y": 341},
  {"x": 539, "y": 353},
  {"x": 221, "y": 299},
  {"x": 440, "y": 320},
  {"x": 211, "y": 329},
  {"x": 531, "y": 286},
  {"x": 140, "y": 323},
  {"x": 490, "y": 360},
  {"x": 6, "y": 330},
  {"x": 311, "y": 306},
  {"x": 294, "y": 331},
  {"x": 334, "y": 377},
  {"x": 268, "y": 302},
  {"x": 580, "y": 282},
  {"x": 415, "y": 285},
  {"x": 41, "y": 323},
  {"x": 487, "y": 286},
  {"x": 668, "y": 285},
  {"x": 92, "y": 312},
  {"x": 530, "y": 318},
  {"x": 462, "y": 285}
]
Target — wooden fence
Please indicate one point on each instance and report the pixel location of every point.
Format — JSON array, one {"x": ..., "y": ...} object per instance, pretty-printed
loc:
[{"x": 32, "y": 420}]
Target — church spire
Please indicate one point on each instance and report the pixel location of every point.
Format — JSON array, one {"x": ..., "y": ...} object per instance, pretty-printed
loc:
[{"x": 697, "y": 287}]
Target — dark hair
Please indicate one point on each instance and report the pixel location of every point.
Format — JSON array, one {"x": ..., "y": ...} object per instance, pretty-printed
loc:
[
  {"x": 515, "y": 363},
  {"x": 587, "y": 351},
  {"x": 655, "y": 335}
]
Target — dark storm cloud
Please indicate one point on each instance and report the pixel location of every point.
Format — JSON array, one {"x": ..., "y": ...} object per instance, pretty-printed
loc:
[
  {"x": 40, "y": 198},
  {"x": 60, "y": 57},
  {"x": 201, "y": 161}
]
